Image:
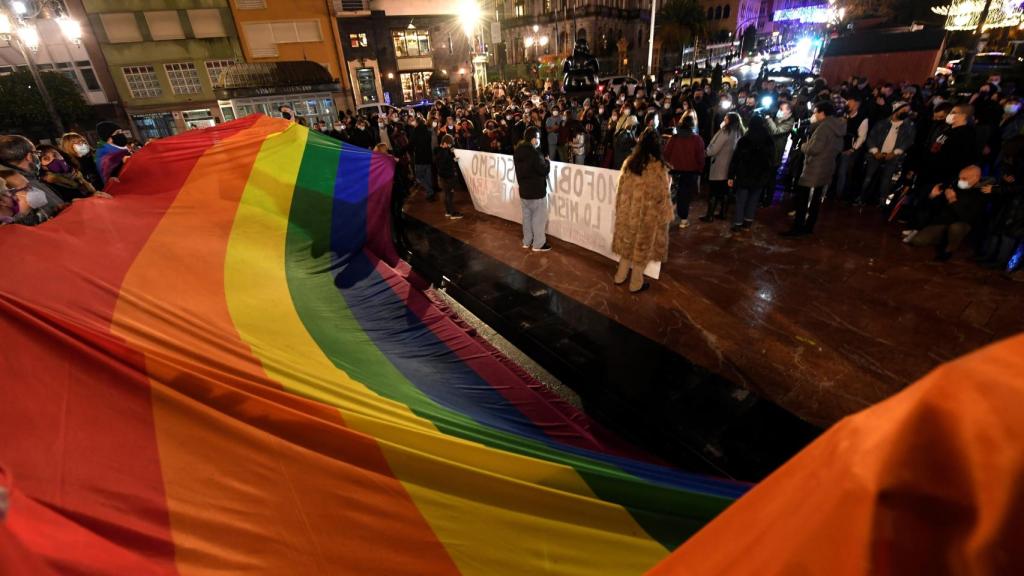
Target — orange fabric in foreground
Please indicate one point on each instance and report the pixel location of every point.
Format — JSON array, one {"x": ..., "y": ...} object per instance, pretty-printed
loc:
[{"x": 929, "y": 482}]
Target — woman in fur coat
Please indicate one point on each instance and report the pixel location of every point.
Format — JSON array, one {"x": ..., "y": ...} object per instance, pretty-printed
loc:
[{"x": 643, "y": 212}]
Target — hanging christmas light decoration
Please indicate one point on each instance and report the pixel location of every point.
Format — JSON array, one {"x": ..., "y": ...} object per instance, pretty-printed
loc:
[{"x": 965, "y": 15}]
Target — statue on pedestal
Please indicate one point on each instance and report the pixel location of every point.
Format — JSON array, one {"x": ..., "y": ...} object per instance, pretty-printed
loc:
[{"x": 579, "y": 71}]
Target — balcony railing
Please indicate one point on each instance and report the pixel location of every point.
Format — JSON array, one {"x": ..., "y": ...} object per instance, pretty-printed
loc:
[{"x": 581, "y": 12}]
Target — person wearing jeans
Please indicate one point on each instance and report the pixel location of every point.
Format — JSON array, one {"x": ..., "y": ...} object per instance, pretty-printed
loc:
[
  {"x": 532, "y": 170},
  {"x": 820, "y": 152},
  {"x": 751, "y": 169},
  {"x": 684, "y": 154}
]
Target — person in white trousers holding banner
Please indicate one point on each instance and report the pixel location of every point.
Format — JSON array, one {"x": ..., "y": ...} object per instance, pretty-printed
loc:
[{"x": 532, "y": 170}]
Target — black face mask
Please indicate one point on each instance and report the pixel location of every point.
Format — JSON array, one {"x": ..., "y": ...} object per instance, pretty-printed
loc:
[
  {"x": 119, "y": 140},
  {"x": 286, "y": 115}
]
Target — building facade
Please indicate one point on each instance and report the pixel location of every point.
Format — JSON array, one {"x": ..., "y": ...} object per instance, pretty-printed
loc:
[
  {"x": 728, "y": 19},
  {"x": 402, "y": 52},
  {"x": 164, "y": 57},
  {"x": 290, "y": 31},
  {"x": 81, "y": 62},
  {"x": 604, "y": 24}
]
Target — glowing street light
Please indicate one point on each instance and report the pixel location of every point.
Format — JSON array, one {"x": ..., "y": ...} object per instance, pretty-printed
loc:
[
  {"x": 469, "y": 16},
  {"x": 17, "y": 26}
]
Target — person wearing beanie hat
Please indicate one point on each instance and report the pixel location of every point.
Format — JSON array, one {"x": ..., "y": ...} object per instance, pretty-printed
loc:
[
  {"x": 887, "y": 142},
  {"x": 532, "y": 170},
  {"x": 113, "y": 150}
]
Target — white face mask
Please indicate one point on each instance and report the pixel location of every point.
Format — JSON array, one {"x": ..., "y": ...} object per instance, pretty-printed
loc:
[
  {"x": 434, "y": 124},
  {"x": 81, "y": 149},
  {"x": 667, "y": 105},
  {"x": 814, "y": 118},
  {"x": 535, "y": 142},
  {"x": 782, "y": 114},
  {"x": 963, "y": 184},
  {"x": 554, "y": 112},
  {"x": 36, "y": 198},
  {"x": 950, "y": 118}
]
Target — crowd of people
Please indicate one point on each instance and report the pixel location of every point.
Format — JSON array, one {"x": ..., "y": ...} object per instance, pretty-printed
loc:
[
  {"x": 945, "y": 164},
  {"x": 38, "y": 182},
  {"x": 949, "y": 166}
]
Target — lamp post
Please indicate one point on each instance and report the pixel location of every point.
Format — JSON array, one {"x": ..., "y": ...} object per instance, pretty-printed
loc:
[
  {"x": 536, "y": 41},
  {"x": 17, "y": 26},
  {"x": 470, "y": 17}
]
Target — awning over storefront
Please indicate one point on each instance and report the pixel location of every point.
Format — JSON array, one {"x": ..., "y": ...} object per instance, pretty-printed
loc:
[{"x": 272, "y": 78}]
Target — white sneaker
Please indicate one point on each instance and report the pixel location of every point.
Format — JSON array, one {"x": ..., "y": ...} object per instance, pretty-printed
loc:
[
  {"x": 684, "y": 223},
  {"x": 908, "y": 237}
]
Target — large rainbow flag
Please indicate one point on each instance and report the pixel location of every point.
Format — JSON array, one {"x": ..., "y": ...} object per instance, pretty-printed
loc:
[{"x": 226, "y": 369}]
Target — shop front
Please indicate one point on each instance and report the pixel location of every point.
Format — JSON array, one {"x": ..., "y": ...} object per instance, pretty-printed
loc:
[{"x": 251, "y": 88}]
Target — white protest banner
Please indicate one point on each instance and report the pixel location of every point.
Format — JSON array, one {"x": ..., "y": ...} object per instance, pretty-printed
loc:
[{"x": 581, "y": 199}]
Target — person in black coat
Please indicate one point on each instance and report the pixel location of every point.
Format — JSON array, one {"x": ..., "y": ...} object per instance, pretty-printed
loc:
[
  {"x": 361, "y": 135},
  {"x": 752, "y": 169},
  {"x": 446, "y": 164},
  {"x": 532, "y": 170},
  {"x": 422, "y": 155}
]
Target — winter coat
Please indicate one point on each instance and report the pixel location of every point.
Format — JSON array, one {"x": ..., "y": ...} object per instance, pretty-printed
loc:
[
  {"x": 720, "y": 151},
  {"x": 531, "y": 171},
  {"x": 643, "y": 211},
  {"x": 421, "y": 148},
  {"x": 753, "y": 162},
  {"x": 444, "y": 160},
  {"x": 685, "y": 153},
  {"x": 820, "y": 151},
  {"x": 780, "y": 130}
]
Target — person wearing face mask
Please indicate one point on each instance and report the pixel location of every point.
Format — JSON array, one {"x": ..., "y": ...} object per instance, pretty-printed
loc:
[
  {"x": 684, "y": 154},
  {"x": 360, "y": 136},
  {"x": 553, "y": 126},
  {"x": 61, "y": 176},
  {"x": 79, "y": 154},
  {"x": 113, "y": 151},
  {"x": 1011, "y": 125},
  {"x": 719, "y": 153},
  {"x": 886, "y": 144},
  {"x": 20, "y": 156},
  {"x": 954, "y": 149},
  {"x": 820, "y": 152},
  {"x": 532, "y": 170},
  {"x": 954, "y": 206}
]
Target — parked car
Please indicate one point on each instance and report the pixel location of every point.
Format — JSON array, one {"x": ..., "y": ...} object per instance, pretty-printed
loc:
[
  {"x": 791, "y": 75},
  {"x": 369, "y": 110},
  {"x": 681, "y": 79},
  {"x": 620, "y": 85}
]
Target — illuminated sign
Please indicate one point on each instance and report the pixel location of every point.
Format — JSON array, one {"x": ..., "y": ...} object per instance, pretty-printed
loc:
[{"x": 821, "y": 14}]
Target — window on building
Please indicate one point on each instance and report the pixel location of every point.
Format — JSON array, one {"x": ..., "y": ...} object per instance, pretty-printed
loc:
[
  {"x": 183, "y": 77},
  {"x": 521, "y": 8},
  {"x": 260, "y": 39},
  {"x": 711, "y": 13},
  {"x": 725, "y": 11},
  {"x": 415, "y": 86},
  {"x": 366, "y": 79},
  {"x": 215, "y": 67},
  {"x": 121, "y": 27},
  {"x": 251, "y": 4},
  {"x": 142, "y": 81},
  {"x": 547, "y": 6},
  {"x": 718, "y": 12},
  {"x": 89, "y": 79},
  {"x": 357, "y": 40},
  {"x": 206, "y": 23},
  {"x": 164, "y": 25},
  {"x": 411, "y": 42}
]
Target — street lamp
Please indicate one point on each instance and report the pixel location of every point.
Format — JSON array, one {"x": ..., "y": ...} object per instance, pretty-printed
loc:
[
  {"x": 534, "y": 40},
  {"x": 471, "y": 18},
  {"x": 17, "y": 26}
]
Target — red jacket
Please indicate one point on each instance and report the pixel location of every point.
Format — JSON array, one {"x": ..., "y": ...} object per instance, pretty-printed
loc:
[{"x": 685, "y": 153}]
